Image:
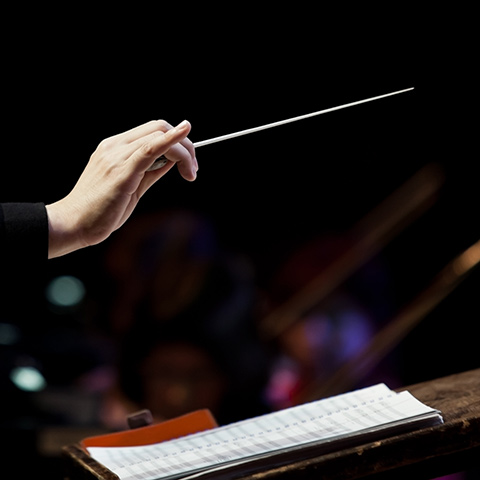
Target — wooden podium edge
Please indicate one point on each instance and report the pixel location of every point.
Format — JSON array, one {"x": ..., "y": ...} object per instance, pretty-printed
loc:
[
  {"x": 79, "y": 465},
  {"x": 451, "y": 447}
]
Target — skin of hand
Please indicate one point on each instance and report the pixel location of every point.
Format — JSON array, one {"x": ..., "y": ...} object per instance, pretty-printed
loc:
[{"x": 113, "y": 182}]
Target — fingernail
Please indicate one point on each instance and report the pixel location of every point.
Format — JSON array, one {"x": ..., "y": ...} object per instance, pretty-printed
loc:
[{"x": 182, "y": 125}]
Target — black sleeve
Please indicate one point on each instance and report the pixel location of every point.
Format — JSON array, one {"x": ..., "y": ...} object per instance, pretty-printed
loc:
[
  {"x": 23, "y": 261},
  {"x": 23, "y": 232}
]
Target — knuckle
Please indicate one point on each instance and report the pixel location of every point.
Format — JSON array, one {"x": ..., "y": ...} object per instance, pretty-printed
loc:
[
  {"x": 147, "y": 149},
  {"x": 163, "y": 126},
  {"x": 105, "y": 145},
  {"x": 152, "y": 145}
]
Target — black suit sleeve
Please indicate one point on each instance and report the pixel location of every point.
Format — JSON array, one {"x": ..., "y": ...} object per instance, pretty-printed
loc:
[
  {"x": 23, "y": 261},
  {"x": 23, "y": 232}
]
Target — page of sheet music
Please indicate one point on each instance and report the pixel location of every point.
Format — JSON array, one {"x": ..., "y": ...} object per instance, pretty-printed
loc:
[{"x": 320, "y": 421}]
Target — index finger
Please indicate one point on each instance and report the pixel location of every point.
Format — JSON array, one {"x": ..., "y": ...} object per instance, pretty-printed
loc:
[
  {"x": 143, "y": 130},
  {"x": 153, "y": 146}
]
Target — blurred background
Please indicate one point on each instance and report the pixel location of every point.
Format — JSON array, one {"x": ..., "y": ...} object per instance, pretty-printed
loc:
[{"x": 259, "y": 285}]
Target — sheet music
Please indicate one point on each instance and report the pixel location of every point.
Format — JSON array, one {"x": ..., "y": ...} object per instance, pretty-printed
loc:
[{"x": 318, "y": 422}]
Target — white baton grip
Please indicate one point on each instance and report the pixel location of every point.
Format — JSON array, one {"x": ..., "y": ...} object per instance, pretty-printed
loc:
[{"x": 159, "y": 163}]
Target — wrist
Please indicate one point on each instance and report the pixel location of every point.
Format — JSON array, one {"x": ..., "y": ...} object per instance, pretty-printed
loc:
[{"x": 63, "y": 234}]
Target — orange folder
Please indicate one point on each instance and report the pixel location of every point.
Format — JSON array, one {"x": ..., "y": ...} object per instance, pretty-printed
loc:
[{"x": 193, "y": 422}]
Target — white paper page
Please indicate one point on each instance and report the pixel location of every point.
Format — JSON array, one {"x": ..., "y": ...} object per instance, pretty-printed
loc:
[{"x": 340, "y": 416}]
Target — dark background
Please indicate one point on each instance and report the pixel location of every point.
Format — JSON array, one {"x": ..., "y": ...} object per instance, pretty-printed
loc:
[{"x": 70, "y": 82}]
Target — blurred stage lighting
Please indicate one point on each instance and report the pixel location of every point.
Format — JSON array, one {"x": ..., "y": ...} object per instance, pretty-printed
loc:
[
  {"x": 28, "y": 379},
  {"x": 65, "y": 291}
]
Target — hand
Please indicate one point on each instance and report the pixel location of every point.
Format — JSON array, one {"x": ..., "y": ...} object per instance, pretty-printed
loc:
[{"x": 113, "y": 182}]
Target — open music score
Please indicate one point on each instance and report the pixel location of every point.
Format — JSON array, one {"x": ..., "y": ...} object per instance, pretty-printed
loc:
[{"x": 254, "y": 444}]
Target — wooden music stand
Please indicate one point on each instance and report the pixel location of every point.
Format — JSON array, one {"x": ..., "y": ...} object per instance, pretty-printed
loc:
[{"x": 423, "y": 454}]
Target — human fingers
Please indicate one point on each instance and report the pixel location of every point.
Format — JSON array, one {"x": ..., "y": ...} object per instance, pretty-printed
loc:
[
  {"x": 173, "y": 144},
  {"x": 143, "y": 130},
  {"x": 183, "y": 155},
  {"x": 178, "y": 155}
]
